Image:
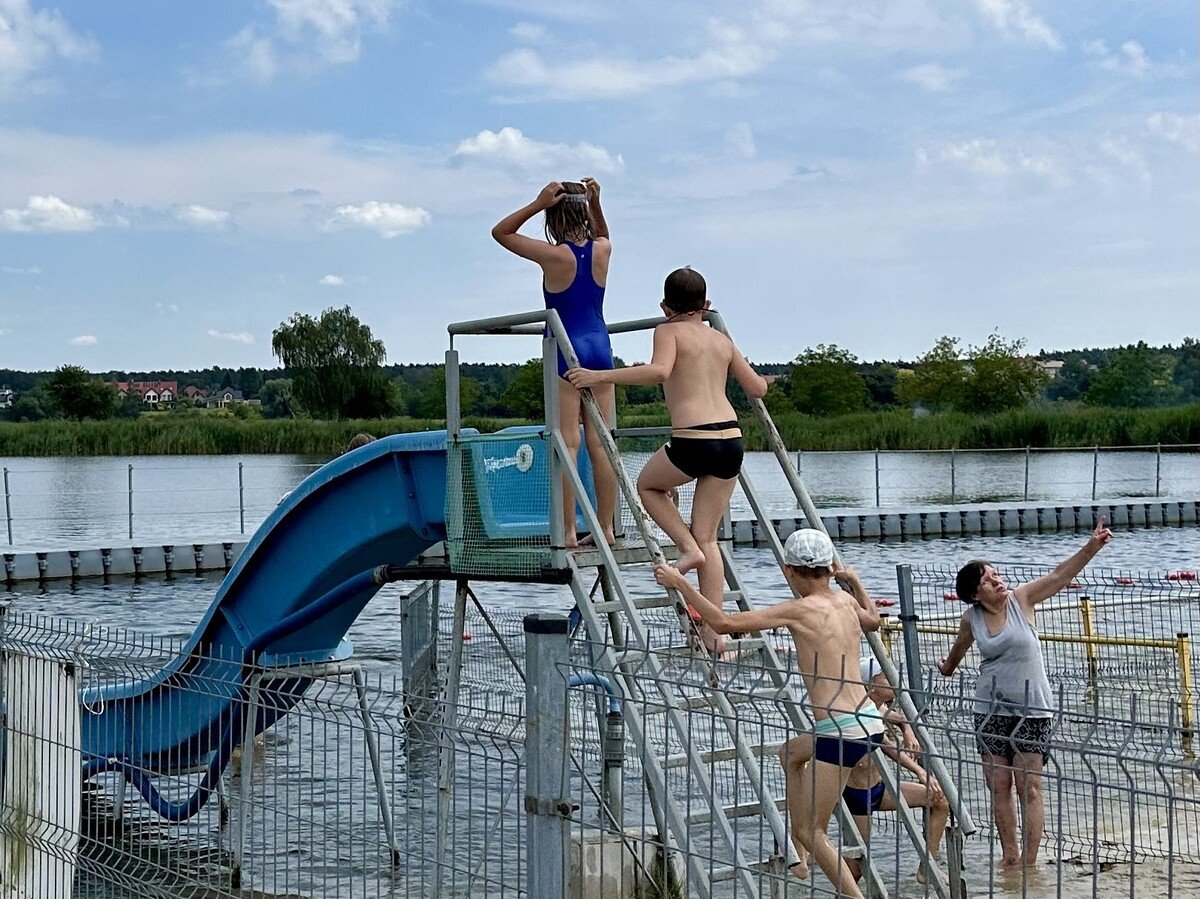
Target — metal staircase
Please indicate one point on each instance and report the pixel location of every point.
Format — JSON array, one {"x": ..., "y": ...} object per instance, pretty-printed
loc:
[{"x": 637, "y": 658}]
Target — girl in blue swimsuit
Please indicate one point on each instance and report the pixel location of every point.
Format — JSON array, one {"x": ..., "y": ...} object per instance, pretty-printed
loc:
[{"x": 574, "y": 261}]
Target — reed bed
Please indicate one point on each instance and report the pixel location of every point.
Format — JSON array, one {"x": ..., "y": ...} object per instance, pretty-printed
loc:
[{"x": 891, "y": 430}]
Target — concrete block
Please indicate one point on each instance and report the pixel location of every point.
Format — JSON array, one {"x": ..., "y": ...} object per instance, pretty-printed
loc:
[
  {"x": 784, "y": 527},
  {"x": 910, "y": 525},
  {"x": 989, "y": 521},
  {"x": 1189, "y": 512},
  {"x": 1118, "y": 515},
  {"x": 868, "y": 526},
  {"x": 1170, "y": 513},
  {"x": 1047, "y": 519},
  {"x": 1009, "y": 522},
  {"x": 742, "y": 532},
  {"x": 91, "y": 563},
  {"x": 612, "y": 866},
  {"x": 889, "y": 524},
  {"x": 848, "y": 527},
  {"x": 1135, "y": 515},
  {"x": 58, "y": 564},
  {"x": 949, "y": 523},
  {"x": 1154, "y": 515}
]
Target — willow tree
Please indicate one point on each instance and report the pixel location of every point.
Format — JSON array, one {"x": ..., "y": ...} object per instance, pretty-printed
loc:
[{"x": 334, "y": 364}]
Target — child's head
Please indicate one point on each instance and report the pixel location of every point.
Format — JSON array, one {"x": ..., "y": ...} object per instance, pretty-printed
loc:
[
  {"x": 879, "y": 691},
  {"x": 685, "y": 291},
  {"x": 359, "y": 440},
  {"x": 570, "y": 219},
  {"x": 808, "y": 555}
]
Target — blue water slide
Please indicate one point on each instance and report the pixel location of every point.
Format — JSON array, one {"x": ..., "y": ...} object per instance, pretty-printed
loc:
[{"x": 290, "y": 599}]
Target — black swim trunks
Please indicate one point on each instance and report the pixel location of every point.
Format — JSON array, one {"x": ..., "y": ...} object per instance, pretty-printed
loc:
[
  {"x": 1007, "y": 735},
  {"x": 697, "y": 455}
]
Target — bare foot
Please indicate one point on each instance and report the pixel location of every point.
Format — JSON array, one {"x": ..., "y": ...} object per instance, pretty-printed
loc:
[
  {"x": 690, "y": 561},
  {"x": 1010, "y": 864},
  {"x": 799, "y": 869},
  {"x": 570, "y": 541},
  {"x": 590, "y": 539},
  {"x": 921, "y": 873}
]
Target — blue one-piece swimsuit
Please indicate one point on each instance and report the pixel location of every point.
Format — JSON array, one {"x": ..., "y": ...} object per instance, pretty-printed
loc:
[{"x": 581, "y": 307}]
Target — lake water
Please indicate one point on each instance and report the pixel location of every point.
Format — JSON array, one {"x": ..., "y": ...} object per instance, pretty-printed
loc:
[{"x": 60, "y": 502}]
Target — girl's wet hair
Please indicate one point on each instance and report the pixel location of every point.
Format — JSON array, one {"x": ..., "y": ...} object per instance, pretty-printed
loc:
[
  {"x": 569, "y": 219},
  {"x": 966, "y": 583}
]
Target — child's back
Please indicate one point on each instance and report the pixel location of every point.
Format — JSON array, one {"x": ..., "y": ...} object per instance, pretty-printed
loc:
[{"x": 695, "y": 389}]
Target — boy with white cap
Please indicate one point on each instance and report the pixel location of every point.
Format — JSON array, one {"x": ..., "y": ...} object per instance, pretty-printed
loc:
[{"x": 827, "y": 627}]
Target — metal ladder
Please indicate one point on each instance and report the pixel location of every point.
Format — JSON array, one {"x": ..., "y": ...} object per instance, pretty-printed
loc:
[{"x": 625, "y": 662}]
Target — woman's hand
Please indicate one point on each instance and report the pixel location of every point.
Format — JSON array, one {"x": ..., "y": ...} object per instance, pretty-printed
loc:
[
  {"x": 549, "y": 195},
  {"x": 946, "y": 668},
  {"x": 582, "y": 378},
  {"x": 1101, "y": 536},
  {"x": 593, "y": 189}
]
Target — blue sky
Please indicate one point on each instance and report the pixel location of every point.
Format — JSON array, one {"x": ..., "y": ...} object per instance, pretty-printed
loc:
[{"x": 178, "y": 178}]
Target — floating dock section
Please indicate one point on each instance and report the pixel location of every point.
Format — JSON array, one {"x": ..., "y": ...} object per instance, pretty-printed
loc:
[{"x": 887, "y": 522}]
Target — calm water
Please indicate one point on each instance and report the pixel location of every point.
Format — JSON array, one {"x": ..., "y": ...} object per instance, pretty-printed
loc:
[{"x": 81, "y": 501}]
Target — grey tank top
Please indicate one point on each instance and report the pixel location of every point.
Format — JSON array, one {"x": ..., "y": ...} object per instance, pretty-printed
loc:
[{"x": 1012, "y": 675}]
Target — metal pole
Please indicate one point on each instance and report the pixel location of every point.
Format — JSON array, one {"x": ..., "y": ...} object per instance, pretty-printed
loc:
[
  {"x": 130, "y": 500},
  {"x": 799, "y": 461},
  {"x": 547, "y": 805},
  {"x": 1025, "y": 495},
  {"x": 554, "y": 464},
  {"x": 1183, "y": 652},
  {"x": 1095, "y": 469},
  {"x": 953, "y": 478},
  {"x": 446, "y": 747},
  {"x": 877, "y": 478},
  {"x": 453, "y": 408},
  {"x": 385, "y": 807},
  {"x": 241, "y": 498},
  {"x": 8, "y": 507},
  {"x": 912, "y": 644},
  {"x": 1157, "y": 471}
]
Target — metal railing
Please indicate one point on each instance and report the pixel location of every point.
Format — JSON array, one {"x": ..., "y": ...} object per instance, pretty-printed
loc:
[{"x": 961, "y": 476}]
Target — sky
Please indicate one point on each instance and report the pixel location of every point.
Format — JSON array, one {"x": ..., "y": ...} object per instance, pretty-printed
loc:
[{"x": 176, "y": 179}]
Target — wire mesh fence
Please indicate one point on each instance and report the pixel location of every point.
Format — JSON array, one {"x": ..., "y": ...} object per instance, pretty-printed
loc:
[{"x": 300, "y": 812}]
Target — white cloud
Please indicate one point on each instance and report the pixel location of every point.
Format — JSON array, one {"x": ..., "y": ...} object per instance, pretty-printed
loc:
[
  {"x": 83, "y": 340},
  {"x": 17, "y": 270},
  {"x": 1130, "y": 59},
  {"x": 202, "y": 216},
  {"x": 1183, "y": 130},
  {"x": 30, "y": 40},
  {"x": 980, "y": 156},
  {"x": 509, "y": 146},
  {"x": 1014, "y": 17},
  {"x": 528, "y": 33},
  {"x": 168, "y": 307},
  {"x": 332, "y": 281},
  {"x": 306, "y": 35},
  {"x": 932, "y": 77},
  {"x": 740, "y": 138},
  {"x": 389, "y": 219},
  {"x": 47, "y": 214},
  {"x": 231, "y": 336}
]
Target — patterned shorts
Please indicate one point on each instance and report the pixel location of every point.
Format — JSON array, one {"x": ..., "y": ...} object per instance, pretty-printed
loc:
[{"x": 1007, "y": 735}]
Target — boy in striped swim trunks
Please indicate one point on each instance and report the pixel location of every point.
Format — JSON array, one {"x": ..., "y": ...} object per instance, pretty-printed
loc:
[{"x": 827, "y": 627}]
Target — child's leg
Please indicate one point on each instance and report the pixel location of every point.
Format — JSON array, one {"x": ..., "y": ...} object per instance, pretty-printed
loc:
[
  {"x": 602, "y": 472},
  {"x": 656, "y": 479},
  {"x": 919, "y": 796},
  {"x": 794, "y": 755},
  {"x": 568, "y": 422},
  {"x": 819, "y": 791},
  {"x": 708, "y": 506}
]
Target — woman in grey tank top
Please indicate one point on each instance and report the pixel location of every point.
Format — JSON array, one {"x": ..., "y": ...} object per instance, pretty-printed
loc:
[{"x": 1013, "y": 707}]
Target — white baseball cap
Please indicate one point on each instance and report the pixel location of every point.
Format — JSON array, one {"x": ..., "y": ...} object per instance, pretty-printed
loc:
[
  {"x": 808, "y": 547},
  {"x": 868, "y": 667}
]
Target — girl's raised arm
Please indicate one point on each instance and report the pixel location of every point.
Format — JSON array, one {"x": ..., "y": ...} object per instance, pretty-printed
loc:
[{"x": 505, "y": 232}]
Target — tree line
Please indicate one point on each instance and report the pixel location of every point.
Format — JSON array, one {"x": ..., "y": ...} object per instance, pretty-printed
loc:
[{"x": 333, "y": 367}]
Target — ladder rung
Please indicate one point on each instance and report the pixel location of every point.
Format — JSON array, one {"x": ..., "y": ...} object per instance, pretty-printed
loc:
[
  {"x": 624, "y": 553},
  {"x": 720, "y": 755},
  {"x": 686, "y": 650},
  {"x": 744, "y": 810},
  {"x": 656, "y": 602},
  {"x": 729, "y": 872},
  {"x": 706, "y": 701}
]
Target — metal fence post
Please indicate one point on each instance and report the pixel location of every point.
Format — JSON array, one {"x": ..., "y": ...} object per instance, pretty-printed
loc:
[
  {"x": 800, "y": 463},
  {"x": 241, "y": 498},
  {"x": 1089, "y": 634},
  {"x": 1157, "y": 470},
  {"x": 547, "y": 805},
  {"x": 1183, "y": 652},
  {"x": 1025, "y": 495},
  {"x": 1095, "y": 469},
  {"x": 130, "y": 500},
  {"x": 876, "y": 478},
  {"x": 554, "y": 464},
  {"x": 912, "y": 646},
  {"x": 953, "y": 477},
  {"x": 8, "y": 507}
]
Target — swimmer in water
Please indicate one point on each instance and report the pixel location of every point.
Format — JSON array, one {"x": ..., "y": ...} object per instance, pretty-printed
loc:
[{"x": 574, "y": 260}]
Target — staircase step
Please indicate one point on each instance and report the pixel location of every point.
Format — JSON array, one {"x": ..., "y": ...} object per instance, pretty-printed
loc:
[
  {"x": 733, "y": 597},
  {"x": 735, "y": 697},
  {"x": 724, "y": 754},
  {"x": 626, "y": 552},
  {"x": 740, "y": 646},
  {"x": 744, "y": 810}
]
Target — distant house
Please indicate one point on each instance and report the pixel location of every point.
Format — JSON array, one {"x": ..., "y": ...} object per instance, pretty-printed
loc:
[
  {"x": 7, "y": 398},
  {"x": 224, "y": 398},
  {"x": 1050, "y": 367},
  {"x": 192, "y": 392},
  {"x": 152, "y": 393}
]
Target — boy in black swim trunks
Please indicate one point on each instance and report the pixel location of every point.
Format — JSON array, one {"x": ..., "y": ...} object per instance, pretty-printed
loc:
[{"x": 693, "y": 363}]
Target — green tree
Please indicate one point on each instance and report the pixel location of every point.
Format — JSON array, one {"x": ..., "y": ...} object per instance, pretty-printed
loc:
[
  {"x": 1072, "y": 380},
  {"x": 524, "y": 397},
  {"x": 1187, "y": 370},
  {"x": 79, "y": 396},
  {"x": 826, "y": 381},
  {"x": 937, "y": 380},
  {"x": 431, "y": 401},
  {"x": 881, "y": 383},
  {"x": 1134, "y": 377},
  {"x": 334, "y": 363},
  {"x": 129, "y": 406},
  {"x": 30, "y": 406},
  {"x": 277, "y": 399},
  {"x": 249, "y": 381},
  {"x": 999, "y": 376}
]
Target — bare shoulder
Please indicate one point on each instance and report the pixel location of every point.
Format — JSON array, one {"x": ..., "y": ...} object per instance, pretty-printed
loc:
[{"x": 602, "y": 245}]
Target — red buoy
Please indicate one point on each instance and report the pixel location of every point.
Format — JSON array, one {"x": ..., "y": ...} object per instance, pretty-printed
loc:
[
  {"x": 1181, "y": 575},
  {"x": 884, "y": 603},
  {"x": 467, "y": 635},
  {"x": 1124, "y": 581},
  {"x": 1074, "y": 585},
  {"x": 950, "y": 597}
]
